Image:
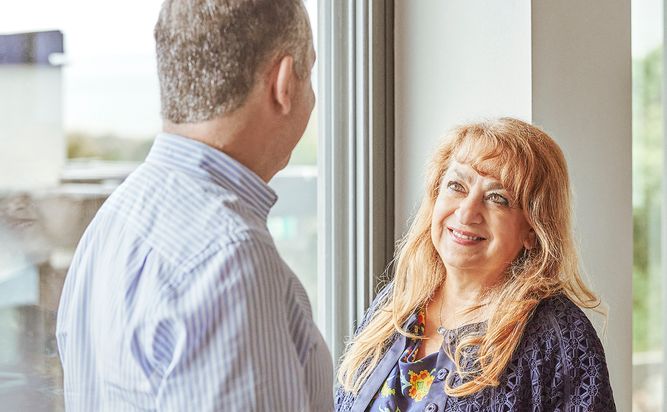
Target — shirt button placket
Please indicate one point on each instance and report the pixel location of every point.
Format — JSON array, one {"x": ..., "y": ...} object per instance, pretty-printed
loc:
[{"x": 442, "y": 374}]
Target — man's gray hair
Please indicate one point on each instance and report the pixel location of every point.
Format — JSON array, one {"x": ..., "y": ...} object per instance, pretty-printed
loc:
[{"x": 210, "y": 52}]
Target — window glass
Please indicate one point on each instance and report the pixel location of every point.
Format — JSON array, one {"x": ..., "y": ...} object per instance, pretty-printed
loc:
[
  {"x": 647, "y": 152},
  {"x": 79, "y": 109},
  {"x": 293, "y": 220}
]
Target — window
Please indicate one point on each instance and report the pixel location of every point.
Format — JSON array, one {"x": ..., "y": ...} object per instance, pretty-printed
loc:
[
  {"x": 81, "y": 113},
  {"x": 79, "y": 110},
  {"x": 293, "y": 220},
  {"x": 647, "y": 200}
]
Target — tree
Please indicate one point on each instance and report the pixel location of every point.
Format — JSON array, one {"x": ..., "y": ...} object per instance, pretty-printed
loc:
[{"x": 647, "y": 166}]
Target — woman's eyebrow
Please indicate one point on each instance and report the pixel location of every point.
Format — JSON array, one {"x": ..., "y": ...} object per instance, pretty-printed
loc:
[
  {"x": 459, "y": 174},
  {"x": 494, "y": 186}
]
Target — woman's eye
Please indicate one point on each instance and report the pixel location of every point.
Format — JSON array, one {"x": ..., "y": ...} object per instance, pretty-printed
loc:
[
  {"x": 499, "y": 199},
  {"x": 455, "y": 186}
]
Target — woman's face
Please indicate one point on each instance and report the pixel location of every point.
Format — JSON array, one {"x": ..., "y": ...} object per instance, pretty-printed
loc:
[{"x": 476, "y": 225}]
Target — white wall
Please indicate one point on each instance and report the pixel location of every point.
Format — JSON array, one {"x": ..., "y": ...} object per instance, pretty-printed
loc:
[
  {"x": 455, "y": 61},
  {"x": 566, "y": 66},
  {"x": 582, "y": 95}
]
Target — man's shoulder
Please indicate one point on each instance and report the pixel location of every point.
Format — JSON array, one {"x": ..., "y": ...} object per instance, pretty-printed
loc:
[
  {"x": 162, "y": 188},
  {"x": 182, "y": 216}
]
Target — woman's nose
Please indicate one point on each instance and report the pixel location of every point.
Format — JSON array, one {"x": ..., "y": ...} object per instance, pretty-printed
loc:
[{"x": 469, "y": 211}]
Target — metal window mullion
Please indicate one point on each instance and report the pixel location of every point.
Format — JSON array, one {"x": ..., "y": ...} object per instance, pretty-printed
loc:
[
  {"x": 354, "y": 162},
  {"x": 381, "y": 136},
  {"x": 663, "y": 229},
  {"x": 334, "y": 176},
  {"x": 362, "y": 110},
  {"x": 324, "y": 179},
  {"x": 352, "y": 138}
]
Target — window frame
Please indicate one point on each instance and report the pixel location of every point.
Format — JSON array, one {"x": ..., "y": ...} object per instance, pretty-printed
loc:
[{"x": 355, "y": 160}]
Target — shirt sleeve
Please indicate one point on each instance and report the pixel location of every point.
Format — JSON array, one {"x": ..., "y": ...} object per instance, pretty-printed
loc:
[{"x": 227, "y": 344}]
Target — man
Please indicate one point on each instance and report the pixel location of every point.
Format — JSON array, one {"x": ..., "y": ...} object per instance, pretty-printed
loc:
[{"x": 177, "y": 299}]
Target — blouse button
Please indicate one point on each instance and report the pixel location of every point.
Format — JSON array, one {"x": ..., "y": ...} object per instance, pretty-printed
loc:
[
  {"x": 431, "y": 407},
  {"x": 442, "y": 374}
]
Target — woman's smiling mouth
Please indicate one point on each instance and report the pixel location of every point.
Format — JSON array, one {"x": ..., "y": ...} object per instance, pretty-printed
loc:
[{"x": 464, "y": 238}]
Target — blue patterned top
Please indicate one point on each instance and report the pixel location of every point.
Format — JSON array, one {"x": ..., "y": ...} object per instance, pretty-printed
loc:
[{"x": 559, "y": 365}]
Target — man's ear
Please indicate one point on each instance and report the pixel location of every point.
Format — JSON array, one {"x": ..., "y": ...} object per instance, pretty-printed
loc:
[
  {"x": 283, "y": 88},
  {"x": 529, "y": 241}
]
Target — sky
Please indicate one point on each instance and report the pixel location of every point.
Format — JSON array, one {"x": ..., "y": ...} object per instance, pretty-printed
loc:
[
  {"x": 647, "y": 25},
  {"x": 109, "y": 77},
  {"x": 92, "y": 27}
]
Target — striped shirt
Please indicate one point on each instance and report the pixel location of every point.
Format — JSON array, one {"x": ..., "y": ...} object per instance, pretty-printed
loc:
[{"x": 177, "y": 299}]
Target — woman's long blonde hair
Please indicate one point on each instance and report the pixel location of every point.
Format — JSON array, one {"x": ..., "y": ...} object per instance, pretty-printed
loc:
[{"x": 531, "y": 166}]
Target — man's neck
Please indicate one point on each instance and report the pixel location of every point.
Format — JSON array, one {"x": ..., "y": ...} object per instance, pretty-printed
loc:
[{"x": 233, "y": 136}]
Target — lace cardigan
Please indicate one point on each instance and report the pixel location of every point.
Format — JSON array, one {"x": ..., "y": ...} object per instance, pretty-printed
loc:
[{"x": 559, "y": 365}]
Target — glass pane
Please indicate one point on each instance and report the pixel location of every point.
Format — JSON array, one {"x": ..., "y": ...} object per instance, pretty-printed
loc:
[
  {"x": 73, "y": 125},
  {"x": 647, "y": 152},
  {"x": 293, "y": 220}
]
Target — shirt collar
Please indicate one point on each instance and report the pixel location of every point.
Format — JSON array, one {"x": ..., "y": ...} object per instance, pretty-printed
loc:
[{"x": 194, "y": 157}]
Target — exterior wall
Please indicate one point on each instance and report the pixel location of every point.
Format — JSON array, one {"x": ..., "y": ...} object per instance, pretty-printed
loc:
[{"x": 32, "y": 140}]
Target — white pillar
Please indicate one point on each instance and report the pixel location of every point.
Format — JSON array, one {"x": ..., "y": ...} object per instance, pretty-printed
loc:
[{"x": 582, "y": 95}]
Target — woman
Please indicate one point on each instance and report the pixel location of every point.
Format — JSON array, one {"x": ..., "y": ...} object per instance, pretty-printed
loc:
[{"x": 484, "y": 311}]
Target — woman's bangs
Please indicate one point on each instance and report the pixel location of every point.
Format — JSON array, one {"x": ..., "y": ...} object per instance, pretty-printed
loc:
[{"x": 489, "y": 158}]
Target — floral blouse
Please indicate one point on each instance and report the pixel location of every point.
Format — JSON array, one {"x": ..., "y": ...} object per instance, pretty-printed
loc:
[{"x": 416, "y": 384}]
